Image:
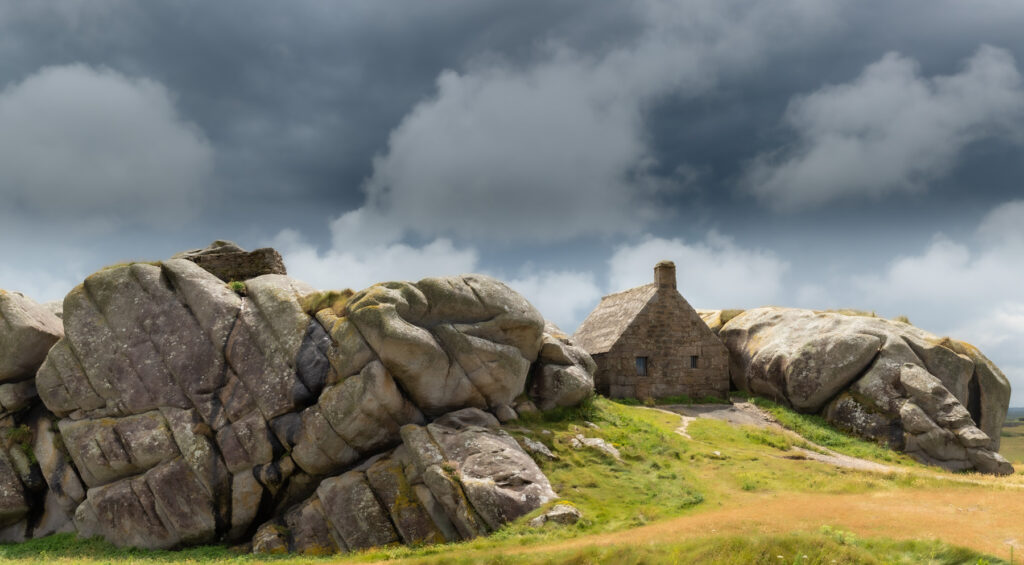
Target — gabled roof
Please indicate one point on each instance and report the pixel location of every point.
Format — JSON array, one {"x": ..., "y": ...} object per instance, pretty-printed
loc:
[{"x": 605, "y": 325}]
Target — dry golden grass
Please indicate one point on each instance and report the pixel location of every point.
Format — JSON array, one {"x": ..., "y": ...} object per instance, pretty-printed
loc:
[{"x": 980, "y": 519}]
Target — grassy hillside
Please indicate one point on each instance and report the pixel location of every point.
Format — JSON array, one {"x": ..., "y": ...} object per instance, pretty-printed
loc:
[
  {"x": 728, "y": 495},
  {"x": 1011, "y": 445}
]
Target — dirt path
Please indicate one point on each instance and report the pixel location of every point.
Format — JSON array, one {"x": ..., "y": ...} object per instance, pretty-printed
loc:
[
  {"x": 982, "y": 520},
  {"x": 746, "y": 414}
]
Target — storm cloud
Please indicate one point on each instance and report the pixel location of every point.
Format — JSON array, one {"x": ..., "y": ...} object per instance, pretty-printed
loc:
[
  {"x": 81, "y": 142},
  {"x": 889, "y": 130},
  {"x": 505, "y": 150},
  {"x": 862, "y": 154}
]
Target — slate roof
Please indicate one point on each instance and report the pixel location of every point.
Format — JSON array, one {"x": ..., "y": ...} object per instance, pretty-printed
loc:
[{"x": 603, "y": 327}]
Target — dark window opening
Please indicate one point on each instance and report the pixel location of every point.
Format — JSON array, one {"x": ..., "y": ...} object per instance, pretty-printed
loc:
[
  {"x": 693, "y": 361},
  {"x": 641, "y": 366}
]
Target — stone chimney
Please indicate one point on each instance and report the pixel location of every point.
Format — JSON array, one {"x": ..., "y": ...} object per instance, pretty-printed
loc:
[{"x": 665, "y": 274}]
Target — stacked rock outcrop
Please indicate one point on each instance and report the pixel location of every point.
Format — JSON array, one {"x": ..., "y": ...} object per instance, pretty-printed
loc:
[
  {"x": 177, "y": 409},
  {"x": 27, "y": 331},
  {"x": 938, "y": 399},
  {"x": 229, "y": 262},
  {"x": 456, "y": 478}
]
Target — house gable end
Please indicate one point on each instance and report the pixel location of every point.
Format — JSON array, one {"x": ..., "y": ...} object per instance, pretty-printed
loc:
[{"x": 682, "y": 355}]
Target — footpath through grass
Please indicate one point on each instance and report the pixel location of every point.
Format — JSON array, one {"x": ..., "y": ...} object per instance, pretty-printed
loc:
[
  {"x": 814, "y": 428},
  {"x": 662, "y": 485}
]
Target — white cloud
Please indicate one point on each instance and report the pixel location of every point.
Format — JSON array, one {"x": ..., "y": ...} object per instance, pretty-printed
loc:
[
  {"x": 889, "y": 130},
  {"x": 83, "y": 143},
  {"x": 563, "y": 297},
  {"x": 969, "y": 290},
  {"x": 357, "y": 267},
  {"x": 714, "y": 273},
  {"x": 364, "y": 253},
  {"x": 814, "y": 296},
  {"x": 558, "y": 148},
  {"x": 1004, "y": 226},
  {"x": 957, "y": 280},
  {"x": 40, "y": 285}
]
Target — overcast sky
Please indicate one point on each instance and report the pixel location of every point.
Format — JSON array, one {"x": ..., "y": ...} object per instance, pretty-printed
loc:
[{"x": 849, "y": 154}]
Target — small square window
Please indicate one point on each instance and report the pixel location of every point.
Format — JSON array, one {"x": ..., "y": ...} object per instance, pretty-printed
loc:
[
  {"x": 693, "y": 361},
  {"x": 641, "y": 366}
]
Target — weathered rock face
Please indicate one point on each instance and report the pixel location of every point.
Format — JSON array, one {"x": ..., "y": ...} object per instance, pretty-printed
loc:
[
  {"x": 178, "y": 411},
  {"x": 939, "y": 400},
  {"x": 454, "y": 479},
  {"x": 229, "y": 262},
  {"x": 564, "y": 374},
  {"x": 27, "y": 331}
]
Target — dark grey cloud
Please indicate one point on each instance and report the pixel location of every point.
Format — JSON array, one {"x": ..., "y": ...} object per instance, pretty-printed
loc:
[
  {"x": 297, "y": 97},
  {"x": 78, "y": 142},
  {"x": 889, "y": 130}
]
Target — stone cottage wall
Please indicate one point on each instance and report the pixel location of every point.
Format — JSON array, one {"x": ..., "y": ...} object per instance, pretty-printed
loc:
[{"x": 668, "y": 332}]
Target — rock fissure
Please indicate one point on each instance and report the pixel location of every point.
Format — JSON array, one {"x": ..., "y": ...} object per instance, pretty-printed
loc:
[
  {"x": 163, "y": 357},
  {"x": 867, "y": 368},
  {"x": 112, "y": 389}
]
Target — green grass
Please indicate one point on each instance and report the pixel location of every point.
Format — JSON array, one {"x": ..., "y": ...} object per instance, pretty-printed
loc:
[
  {"x": 667, "y": 400},
  {"x": 824, "y": 547},
  {"x": 69, "y": 548},
  {"x": 1011, "y": 444},
  {"x": 815, "y": 429},
  {"x": 661, "y": 475},
  {"x": 653, "y": 480}
]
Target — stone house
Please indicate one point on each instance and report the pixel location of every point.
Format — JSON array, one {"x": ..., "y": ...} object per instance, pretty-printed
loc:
[{"x": 648, "y": 342}]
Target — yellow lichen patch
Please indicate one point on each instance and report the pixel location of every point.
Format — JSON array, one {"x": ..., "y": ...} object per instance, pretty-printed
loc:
[
  {"x": 849, "y": 312},
  {"x": 961, "y": 347},
  {"x": 559, "y": 335},
  {"x": 406, "y": 500},
  {"x": 726, "y": 315},
  {"x": 130, "y": 263},
  {"x": 333, "y": 300},
  {"x": 317, "y": 550}
]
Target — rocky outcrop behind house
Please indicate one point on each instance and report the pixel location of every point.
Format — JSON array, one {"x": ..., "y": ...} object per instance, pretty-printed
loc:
[
  {"x": 938, "y": 399},
  {"x": 177, "y": 409}
]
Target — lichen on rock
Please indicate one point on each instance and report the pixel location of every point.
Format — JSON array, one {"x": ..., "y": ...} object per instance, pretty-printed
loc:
[{"x": 173, "y": 410}]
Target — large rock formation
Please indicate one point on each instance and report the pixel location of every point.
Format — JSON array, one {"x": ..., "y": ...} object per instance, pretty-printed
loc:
[
  {"x": 179, "y": 410},
  {"x": 938, "y": 399}
]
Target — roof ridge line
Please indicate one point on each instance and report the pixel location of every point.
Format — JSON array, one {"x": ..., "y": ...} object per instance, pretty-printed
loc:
[{"x": 627, "y": 290}]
